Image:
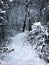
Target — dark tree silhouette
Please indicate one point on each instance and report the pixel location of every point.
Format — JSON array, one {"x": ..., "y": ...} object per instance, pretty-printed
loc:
[{"x": 27, "y": 14}]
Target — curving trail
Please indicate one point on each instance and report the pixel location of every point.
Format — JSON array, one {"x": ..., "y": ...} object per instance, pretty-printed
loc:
[{"x": 23, "y": 53}]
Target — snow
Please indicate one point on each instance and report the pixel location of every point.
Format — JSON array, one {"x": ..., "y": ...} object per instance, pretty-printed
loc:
[
  {"x": 11, "y": 0},
  {"x": 46, "y": 33},
  {"x": 1, "y": 11},
  {"x": 2, "y": 2},
  {"x": 23, "y": 54}
]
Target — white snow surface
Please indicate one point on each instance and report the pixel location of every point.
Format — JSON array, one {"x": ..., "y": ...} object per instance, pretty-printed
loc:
[{"x": 23, "y": 54}]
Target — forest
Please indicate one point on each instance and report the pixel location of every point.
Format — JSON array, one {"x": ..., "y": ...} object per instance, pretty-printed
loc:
[{"x": 24, "y": 32}]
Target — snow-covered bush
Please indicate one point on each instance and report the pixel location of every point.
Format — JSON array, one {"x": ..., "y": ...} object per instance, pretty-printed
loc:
[{"x": 38, "y": 37}]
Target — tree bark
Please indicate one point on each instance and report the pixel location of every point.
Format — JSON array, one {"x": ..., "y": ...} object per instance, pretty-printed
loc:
[
  {"x": 24, "y": 26},
  {"x": 29, "y": 25}
]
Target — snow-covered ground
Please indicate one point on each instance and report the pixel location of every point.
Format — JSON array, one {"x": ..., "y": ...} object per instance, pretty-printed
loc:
[{"x": 23, "y": 53}]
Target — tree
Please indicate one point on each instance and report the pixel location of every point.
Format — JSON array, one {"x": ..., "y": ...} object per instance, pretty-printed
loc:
[
  {"x": 26, "y": 7},
  {"x": 4, "y": 6},
  {"x": 42, "y": 5},
  {"x": 27, "y": 14}
]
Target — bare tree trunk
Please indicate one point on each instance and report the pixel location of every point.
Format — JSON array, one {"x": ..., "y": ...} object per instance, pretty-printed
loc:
[
  {"x": 29, "y": 25},
  {"x": 29, "y": 21},
  {"x": 26, "y": 7},
  {"x": 27, "y": 13},
  {"x": 24, "y": 26}
]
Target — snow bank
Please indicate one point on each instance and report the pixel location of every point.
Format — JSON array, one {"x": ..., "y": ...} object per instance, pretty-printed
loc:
[{"x": 39, "y": 38}]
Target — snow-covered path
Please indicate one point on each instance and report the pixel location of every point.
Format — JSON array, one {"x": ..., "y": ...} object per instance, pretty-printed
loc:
[{"x": 23, "y": 53}]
